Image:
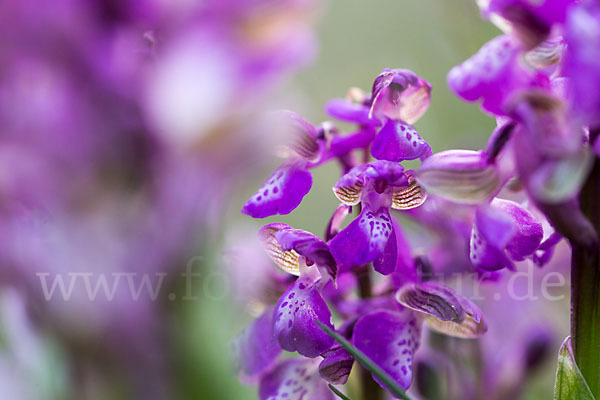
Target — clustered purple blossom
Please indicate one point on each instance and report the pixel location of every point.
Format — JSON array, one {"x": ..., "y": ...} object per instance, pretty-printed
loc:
[{"x": 491, "y": 208}]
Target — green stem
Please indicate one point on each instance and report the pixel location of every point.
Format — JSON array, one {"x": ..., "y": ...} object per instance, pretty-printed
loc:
[
  {"x": 370, "y": 389},
  {"x": 585, "y": 289}
]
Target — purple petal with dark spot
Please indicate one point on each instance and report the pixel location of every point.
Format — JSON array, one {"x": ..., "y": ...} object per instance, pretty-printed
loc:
[
  {"x": 295, "y": 379},
  {"x": 390, "y": 340},
  {"x": 492, "y": 74},
  {"x": 295, "y": 315},
  {"x": 386, "y": 263},
  {"x": 398, "y": 141},
  {"x": 491, "y": 233},
  {"x": 281, "y": 193},
  {"x": 529, "y": 232},
  {"x": 364, "y": 240}
]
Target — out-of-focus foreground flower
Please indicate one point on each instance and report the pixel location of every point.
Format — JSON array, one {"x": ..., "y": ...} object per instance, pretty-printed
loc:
[{"x": 122, "y": 127}]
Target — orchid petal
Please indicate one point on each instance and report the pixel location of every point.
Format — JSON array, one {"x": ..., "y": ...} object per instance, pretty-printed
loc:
[
  {"x": 386, "y": 263},
  {"x": 400, "y": 94},
  {"x": 336, "y": 365},
  {"x": 287, "y": 260},
  {"x": 341, "y": 145},
  {"x": 336, "y": 220},
  {"x": 349, "y": 187},
  {"x": 364, "y": 240},
  {"x": 281, "y": 193},
  {"x": 582, "y": 62},
  {"x": 389, "y": 339},
  {"x": 390, "y": 172},
  {"x": 491, "y": 233},
  {"x": 409, "y": 197},
  {"x": 256, "y": 348},
  {"x": 295, "y": 315},
  {"x": 445, "y": 311},
  {"x": 462, "y": 176},
  {"x": 544, "y": 252},
  {"x": 547, "y": 53},
  {"x": 346, "y": 110},
  {"x": 561, "y": 180},
  {"x": 295, "y": 379},
  {"x": 492, "y": 74},
  {"x": 399, "y": 141},
  {"x": 311, "y": 247},
  {"x": 528, "y": 234},
  {"x": 302, "y": 134},
  {"x": 530, "y": 21}
]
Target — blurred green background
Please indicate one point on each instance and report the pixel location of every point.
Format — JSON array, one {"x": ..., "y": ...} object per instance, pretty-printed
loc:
[{"x": 357, "y": 39}]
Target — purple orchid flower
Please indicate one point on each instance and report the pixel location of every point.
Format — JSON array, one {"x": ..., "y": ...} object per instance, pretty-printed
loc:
[
  {"x": 494, "y": 74},
  {"x": 300, "y": 253},
  {"x": 399, "y": 141},
  {"x": 256, "y": 348},
  {"x": 399, "y": 94},
  {"x": 398, "y": 99},
  {"x": 377, "y": 186},
  {"x": 531, "y": 21},
  {"x": 283, "y": 191},
  {"x": 462, "y": 176},
  {"x": 582, "y": 63},
  {"x": 295, "y": 379},
  {"x": 503, "y": 232}
]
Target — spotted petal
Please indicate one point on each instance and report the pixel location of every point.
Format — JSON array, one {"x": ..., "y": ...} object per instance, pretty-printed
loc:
[
  {"x": 491, "y": 233},
  {"x": 492, "y": 74},
  {"x": 444, "y": 310},
  {"x": 411, "y": 196},
  {"x": 400, "y": 94},
  {"x": 386, "y": 263},
  {"x": 364, "y": 240},
  {"x": 295, "y": 379},
  {"x": 528, "y": 230},
  {"x": 399, "y": 141},
  {"x": 462, "y": 176},
  {"x": 390, "y": 340},
  {"x": 256, "y": 348},
  {"x": 295, "y": 315},
  {"x": 281, "y": 193}
]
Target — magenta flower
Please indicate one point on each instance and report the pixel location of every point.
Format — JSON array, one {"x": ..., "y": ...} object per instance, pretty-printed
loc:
[
  {"x": 377, "y": 186},
  {"x": 503, "y": 232},
  {"x": 310, "y": 147},
  {"x": 494, "y": 74}
]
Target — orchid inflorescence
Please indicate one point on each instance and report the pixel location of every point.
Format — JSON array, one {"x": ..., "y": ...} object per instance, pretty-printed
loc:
[{"x": 488, "y": 209}]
